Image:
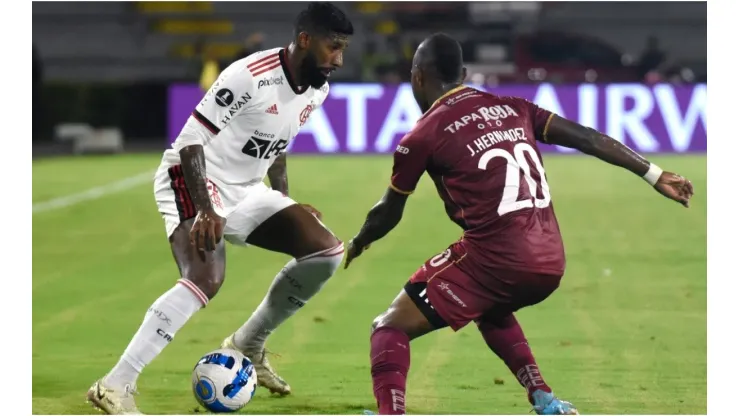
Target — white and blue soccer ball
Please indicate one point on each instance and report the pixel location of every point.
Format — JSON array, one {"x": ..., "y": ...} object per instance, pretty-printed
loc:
[{"x": 224, "y": 381}]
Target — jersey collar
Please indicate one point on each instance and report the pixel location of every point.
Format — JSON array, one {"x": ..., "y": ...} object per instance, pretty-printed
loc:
[
  {"x": 447, "y": 94},
  {"x": 288, "y": 74}
]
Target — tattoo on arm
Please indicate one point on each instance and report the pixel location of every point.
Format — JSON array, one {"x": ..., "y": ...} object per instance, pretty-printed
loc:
[
  {"x": 194, "y": 170},
  {"x": 278, "y": 174},
  {"x": 382, "y": 218},
  {"x": 566, "y": 133}
]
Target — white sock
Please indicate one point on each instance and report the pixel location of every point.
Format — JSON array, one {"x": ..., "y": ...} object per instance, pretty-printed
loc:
[
  {"x": 299, "y": 280},
  {"x": 163, "y": 319}
]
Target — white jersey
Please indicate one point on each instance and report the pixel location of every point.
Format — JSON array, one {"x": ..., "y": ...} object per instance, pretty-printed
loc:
[{"x": 247, "y": 118}]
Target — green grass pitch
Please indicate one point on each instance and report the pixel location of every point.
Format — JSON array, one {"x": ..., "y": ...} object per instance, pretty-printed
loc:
[{"x": 625, "y": 333}]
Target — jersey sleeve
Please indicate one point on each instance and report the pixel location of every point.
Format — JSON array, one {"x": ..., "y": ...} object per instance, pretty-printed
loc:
[
  {"x": 409, "y": 163},
  {"x": 231, "y": 95},
  {"x": 540, "y": 120}
]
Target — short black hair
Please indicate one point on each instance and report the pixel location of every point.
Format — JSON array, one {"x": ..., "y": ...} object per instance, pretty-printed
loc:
[
  {"x": 442, "y": 53},
  {"x": 323, "y": 18}
]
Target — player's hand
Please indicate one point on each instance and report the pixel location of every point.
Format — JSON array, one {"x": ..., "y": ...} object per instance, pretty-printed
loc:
[
  {"x": 207, "y": 231},
  {"x": 353, "y": 251},
  {"x": 675, "y": 187},
  {"x": 312, "y": 210}
]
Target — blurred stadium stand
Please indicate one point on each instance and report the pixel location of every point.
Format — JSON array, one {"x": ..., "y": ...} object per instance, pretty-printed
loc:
[{"x": 110, "y": 63}]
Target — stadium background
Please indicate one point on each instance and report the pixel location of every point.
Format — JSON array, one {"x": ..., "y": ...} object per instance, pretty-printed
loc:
[{"x": 626, "y": 333}]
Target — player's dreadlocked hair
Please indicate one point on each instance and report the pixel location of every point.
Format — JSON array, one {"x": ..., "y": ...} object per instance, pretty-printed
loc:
[
  {"x": 445, "y": 56},
  {"x": 323, "y": 18}
]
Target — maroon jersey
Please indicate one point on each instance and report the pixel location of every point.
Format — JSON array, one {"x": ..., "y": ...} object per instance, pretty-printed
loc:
[{"x": 481, "y": 152}]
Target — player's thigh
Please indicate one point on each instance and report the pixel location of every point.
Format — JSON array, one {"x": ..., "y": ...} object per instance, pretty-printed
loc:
[
  {"x": 514, "y": 290},
  {"x": 528, "y": 289},
  {"x": 405, "y": 315},
  {"x": 269, "y": 220},
  {"x": 207, "y": 269},
  {"x": 446, "y": 294}
]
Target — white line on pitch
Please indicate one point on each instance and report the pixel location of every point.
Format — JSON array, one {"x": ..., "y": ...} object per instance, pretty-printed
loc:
[{"x": 93, "y": 193}]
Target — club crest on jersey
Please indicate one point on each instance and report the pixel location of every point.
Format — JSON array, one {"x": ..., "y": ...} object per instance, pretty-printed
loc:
[
  {"x": 305, "y": 114},
  {"x": 224, "y": 97},
  {"x": 483, "y": 114}
]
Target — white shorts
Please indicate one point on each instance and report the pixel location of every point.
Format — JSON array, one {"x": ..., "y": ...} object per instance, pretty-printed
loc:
[{"x": 244, "y": 207}]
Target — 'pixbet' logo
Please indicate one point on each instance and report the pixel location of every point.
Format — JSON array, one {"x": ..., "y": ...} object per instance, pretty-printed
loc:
[{"x": 267, "y": 82}]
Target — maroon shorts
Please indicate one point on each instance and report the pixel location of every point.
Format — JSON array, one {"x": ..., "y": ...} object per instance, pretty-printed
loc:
[{"x": 449, "y": 296}]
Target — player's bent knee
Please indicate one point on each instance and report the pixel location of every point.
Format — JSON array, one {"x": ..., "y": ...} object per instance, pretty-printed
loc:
[
  {"x": 376, "y": 323},
  {"x": 208, "y": 284},
  {"x": 331, "y": 256},
  {"x": 324, "y": 242}
]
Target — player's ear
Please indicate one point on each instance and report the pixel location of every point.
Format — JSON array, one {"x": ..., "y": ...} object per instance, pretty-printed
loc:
[{"x": 303, "y": 40}]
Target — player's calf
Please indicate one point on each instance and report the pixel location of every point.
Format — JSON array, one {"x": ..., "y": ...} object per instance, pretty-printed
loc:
[
  {"x": 200, "y": 282},
  {"x": 506, "y": 339},
  {"x": 390, "y": 352},
  {"x": 294, "y": 285}
]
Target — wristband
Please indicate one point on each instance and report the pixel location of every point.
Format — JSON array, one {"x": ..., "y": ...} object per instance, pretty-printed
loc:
[{"x": 653, "y": 174}]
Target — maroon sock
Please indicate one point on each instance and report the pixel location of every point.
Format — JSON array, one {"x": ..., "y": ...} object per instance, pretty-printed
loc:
[
  {"x": 390, "y": 358},
  {"x": 506, "y": 338}
]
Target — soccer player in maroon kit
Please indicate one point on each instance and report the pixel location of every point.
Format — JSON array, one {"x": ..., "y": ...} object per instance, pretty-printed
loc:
[{"x": 481, "y": 152}]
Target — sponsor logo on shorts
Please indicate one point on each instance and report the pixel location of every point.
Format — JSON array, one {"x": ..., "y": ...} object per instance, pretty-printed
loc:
[{"x": 446, "y": 289}]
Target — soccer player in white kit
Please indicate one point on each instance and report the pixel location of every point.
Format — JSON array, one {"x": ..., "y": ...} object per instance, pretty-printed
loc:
[{"x": 210, "y": 185}]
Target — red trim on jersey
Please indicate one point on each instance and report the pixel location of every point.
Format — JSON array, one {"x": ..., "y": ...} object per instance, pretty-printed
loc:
[
  {"x": 260, "y": 68},
  {"x": 266, "y": 69},
  {"x": 260, "y": 62}
]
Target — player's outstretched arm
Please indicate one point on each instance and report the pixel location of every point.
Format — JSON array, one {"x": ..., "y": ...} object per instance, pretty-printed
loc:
[
  {"x": 563, "y": 132},
  {"x": 381, "y": 219}
]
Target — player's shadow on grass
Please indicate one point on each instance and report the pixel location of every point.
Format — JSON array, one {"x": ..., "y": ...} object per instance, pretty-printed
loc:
[{"x": 280, "y": 406}]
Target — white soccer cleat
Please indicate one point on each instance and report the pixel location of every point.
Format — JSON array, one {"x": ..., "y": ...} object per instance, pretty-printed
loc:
[
  {"x": 113, "y": 402},
  {"x": 266, "y": 376}
]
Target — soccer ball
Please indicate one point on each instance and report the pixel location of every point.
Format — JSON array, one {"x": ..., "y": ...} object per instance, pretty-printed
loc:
[{"x": 224, "y": 380}]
